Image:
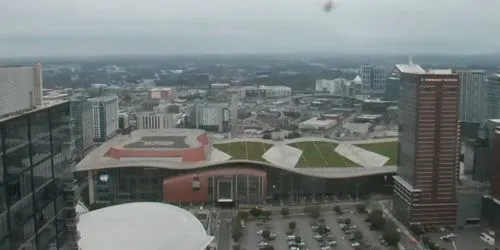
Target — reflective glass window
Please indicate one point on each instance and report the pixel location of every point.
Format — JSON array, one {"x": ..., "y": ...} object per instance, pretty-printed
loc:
[
  {"x": 17, "y": 158},
  {"x": 40, "y": 136},
  {"x": 42, "y": 173},
  {"x": 19, "y": 187},
  {"x": 45, "y": 194}
]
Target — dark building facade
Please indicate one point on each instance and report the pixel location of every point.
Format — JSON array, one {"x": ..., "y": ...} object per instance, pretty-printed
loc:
[
  {"x": 392, "y": 89},
  {"x": 34, "y": 150},
  {"x": 425, "y": 188}
]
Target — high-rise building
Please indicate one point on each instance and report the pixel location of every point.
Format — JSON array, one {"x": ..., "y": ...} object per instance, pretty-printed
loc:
[
  {"x": 210, "y": 116},
  {"x": 425, "y": 187},
  {"x": 373, "y": 79},
  {"x": 156, "y": 120},
  {"x": 493, "y": 97},
  {"x": 33, "y": 155},
  {"x": 234, "y": 114},
  {"x": 472, "y": 95},
  {"x": 82, "y": 129},
  {"x": 22, "y": 88},
  {"x": 105, "y": 117}
]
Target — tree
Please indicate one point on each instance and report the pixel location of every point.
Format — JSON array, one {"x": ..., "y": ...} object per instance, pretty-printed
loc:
[
  {"x": 255, "y": 212},
  {"x": 315, "y": 214},
  {"x": 337, "y": 210},
  {"x": 298, "y": 239},
  {"x": 376, "y": 218},
  {"x": 243, "y": 215},
  {"x": 267, "y": 136},
  {"x": 236, "y": 247},
  {"x": 292, "y": 225},
  {"x": 322, "y": 230},
  {"x": 415, "y": 229},
  {"x": 266, "y": 234},
  {"x": 268, "y": 247},
  {"x": 267, "y": 214},
  {"x": 236, "y": 234},
  {"x": 360, "y": 208},
  {"x": 426, "y": 240},
  {"x": 358, "y": 235},
  {"x": 285, "y": 211},
  {"x": 391, "y": 235},
  {"x": 347, "y": 221}
]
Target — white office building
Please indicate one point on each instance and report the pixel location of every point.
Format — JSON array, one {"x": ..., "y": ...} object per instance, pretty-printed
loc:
[
  {"x": 264, "y": 91},
  {"x": 373, "y": 79},
  {"x": 155, "y": 120},
  {"x": 472, "y": 95},
  {"x": 210, "y": 116},
  {"x": 21, "y": 88},
  {"x": 105, "y": 117},
  {"x": 337, "y": 86}
]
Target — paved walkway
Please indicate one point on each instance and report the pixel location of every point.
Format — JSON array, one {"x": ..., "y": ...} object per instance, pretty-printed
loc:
[{"x": 404, "y": 230}]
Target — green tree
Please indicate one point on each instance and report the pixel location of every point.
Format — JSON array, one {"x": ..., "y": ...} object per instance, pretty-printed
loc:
[
  {"x": 358, "y": 235},
  {"x": 337, "y": 209},
  {"x": 360, "y": 208},
  {"x": 266, "y": 234},
  {"x": 377, "y": 219},
  {"x": 236, "y": 234},
  {"x": 391, "y": 235},
  {"x": 236, "y": 247},
  {"x": 268, "y": 247},
  {"x": 267, "y": 213},
  {"x": 315, "y": 214},
  {"x": 285, "y": 211},
  {"x": 243, "y": 215},
  {"x": 298, "y": 239},
  {"x": 292, "y": 225},
  {"x": 347, "y": 221},
  {"x": 255, "y": 212}
]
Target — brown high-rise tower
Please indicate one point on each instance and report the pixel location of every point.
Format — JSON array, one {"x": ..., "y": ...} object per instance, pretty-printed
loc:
[{"x": 424, "y": 189}]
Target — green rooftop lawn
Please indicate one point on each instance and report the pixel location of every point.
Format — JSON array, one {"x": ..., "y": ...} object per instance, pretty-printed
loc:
[
  {"x": 244, "y": 150},
  {"x": 319, "y": 154},
  {"x": 387, "y": 149}
]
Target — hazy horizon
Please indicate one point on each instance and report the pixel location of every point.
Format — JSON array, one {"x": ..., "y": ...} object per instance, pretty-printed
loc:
[{"x": 176, "y": 27}]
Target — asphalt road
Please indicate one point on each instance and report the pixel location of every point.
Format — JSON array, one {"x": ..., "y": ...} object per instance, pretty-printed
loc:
[{"x": 224, "y": 232}]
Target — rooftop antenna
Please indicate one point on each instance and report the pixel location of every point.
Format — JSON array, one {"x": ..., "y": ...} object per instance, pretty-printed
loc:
[{"x": 410, "y": 60}]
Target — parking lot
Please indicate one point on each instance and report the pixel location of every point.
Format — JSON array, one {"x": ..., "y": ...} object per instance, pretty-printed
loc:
[
  {"x": 279, "y": 225},
  {"x": 465, "y": 239}
]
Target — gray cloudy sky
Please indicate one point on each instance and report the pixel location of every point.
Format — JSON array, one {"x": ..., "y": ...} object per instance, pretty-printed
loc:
[{"x": 99, "y": 27}]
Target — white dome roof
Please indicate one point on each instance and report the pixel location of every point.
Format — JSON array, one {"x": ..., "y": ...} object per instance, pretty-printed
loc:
[{"x": 141, "y": 225}]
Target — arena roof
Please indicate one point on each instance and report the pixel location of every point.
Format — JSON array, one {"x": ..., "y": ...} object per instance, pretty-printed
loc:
[
  {"x": 290, "y": 155},
  {"x": 141, "y": 225}
]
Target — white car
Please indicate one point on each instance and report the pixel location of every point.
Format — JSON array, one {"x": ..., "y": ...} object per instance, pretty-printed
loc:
[
  {"x": 260, "y": 232},
  {"x": 290, "y": 237},
  {"x": 317, "y": 236},
  {"x": 262, "y": 244},
  {"x": 332, "y": 243},
  {"x": 325, "y": 248},
  {"x": 355, "y": 244},
  {"x": 302, "y": 243}
]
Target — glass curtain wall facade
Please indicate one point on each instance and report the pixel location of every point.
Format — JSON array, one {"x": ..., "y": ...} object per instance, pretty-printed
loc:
[
  {"x": 31, "y": 156},
  {"x": 145, "y": 184}
]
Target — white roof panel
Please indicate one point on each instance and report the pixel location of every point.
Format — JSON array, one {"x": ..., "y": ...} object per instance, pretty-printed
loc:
[{"x": 141, "y": 225}]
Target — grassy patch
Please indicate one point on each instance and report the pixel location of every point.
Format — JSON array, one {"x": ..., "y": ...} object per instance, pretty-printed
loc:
[
  {"x": 320, "y": 154},
  {"x": 244, "y": 150},
  {"x": 387, "y": 149}
]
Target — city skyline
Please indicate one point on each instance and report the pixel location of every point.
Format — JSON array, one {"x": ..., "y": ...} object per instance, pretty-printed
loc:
[{"x": 186, "y": 27}]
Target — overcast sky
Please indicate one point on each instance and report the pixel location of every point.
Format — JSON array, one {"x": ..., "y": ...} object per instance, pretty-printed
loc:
[{"x": 100, "y": 27}]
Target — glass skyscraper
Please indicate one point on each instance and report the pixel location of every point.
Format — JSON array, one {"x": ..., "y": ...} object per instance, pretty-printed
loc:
[{"x": 34, "y": 151}]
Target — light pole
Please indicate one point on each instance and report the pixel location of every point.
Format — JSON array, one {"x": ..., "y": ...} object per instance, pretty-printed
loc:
[{"x": 454, "y": 245}]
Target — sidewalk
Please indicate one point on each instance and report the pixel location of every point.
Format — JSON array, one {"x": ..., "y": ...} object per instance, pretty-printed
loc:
[{"x": 401, "y": 227}]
